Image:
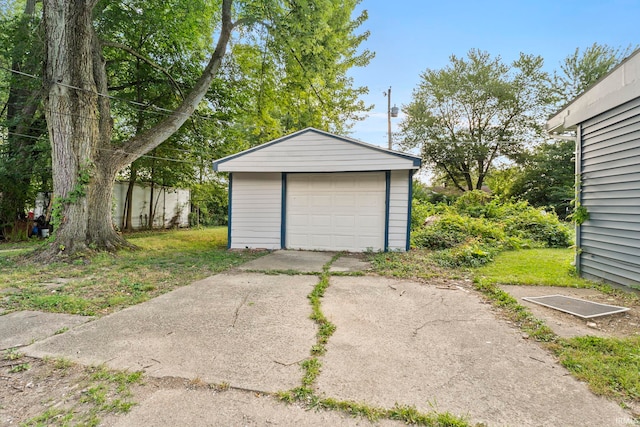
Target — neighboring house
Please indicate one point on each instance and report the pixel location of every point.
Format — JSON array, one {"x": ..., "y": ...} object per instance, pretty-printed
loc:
[
  {"x": 171, "y": 206},
  {"x": 606, "y": 119},
  {"x": 317, "y": 191}
]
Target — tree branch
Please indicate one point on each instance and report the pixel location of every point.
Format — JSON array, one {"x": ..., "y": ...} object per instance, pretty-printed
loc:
[
  {"x": 145, "y": 59},
  {"x": 151, "y": 138}
]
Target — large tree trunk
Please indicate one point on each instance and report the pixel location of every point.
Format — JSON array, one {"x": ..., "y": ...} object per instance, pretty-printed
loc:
[
  {"x": 78, "y": 117},
  {"x": 72, "y": 115}
]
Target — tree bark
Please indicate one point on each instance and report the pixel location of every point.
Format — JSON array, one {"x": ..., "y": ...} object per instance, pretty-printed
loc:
[{"x": 79, "y": 121}]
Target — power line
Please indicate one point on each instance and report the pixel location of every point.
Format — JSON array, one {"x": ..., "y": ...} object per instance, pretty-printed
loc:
[{"x": 111, "y": 97}]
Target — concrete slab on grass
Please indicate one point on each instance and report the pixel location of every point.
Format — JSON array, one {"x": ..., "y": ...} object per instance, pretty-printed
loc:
[
  {"x": 247, "y": 329},
  {"x": 25, "y": 327},
  {"x": 200, "y": 408},
  {"x": 301, "y": 261},
  {"x": 444, "y": 350},
  {"x": 563, "y": 324}
]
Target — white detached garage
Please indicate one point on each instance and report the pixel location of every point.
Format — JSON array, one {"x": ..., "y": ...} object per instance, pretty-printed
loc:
[{"x": 317, "y": 191}]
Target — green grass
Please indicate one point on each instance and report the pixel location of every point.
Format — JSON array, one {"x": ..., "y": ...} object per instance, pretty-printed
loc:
[
  {"x": 107, "y": 282},
  {"x": 610, "y": 366},
  {"x": 540, "y": 267}
]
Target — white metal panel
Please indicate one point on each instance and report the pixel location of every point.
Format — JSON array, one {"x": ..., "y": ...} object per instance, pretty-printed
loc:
[
  {"x": 335, "y": 211},
  {"x": 171, "y": 205},
  {"x": 315, "y": 151},
  {"x": 256, "y": 202},
  {"x": 398, "y": 205}
]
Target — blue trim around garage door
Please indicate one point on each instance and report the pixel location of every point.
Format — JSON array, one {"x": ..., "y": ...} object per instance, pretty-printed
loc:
[
  {"x": 410, "y": 205},
  {"x": 229, "y": 211},
  {"x": 283, "y": 212},
  {"x": 387, "y": 198}
]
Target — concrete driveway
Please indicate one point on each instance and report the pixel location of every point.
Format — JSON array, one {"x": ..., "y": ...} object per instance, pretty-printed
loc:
[{"x": 396, "y": 342}]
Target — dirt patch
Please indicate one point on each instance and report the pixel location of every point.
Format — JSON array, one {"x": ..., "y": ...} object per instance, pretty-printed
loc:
[
  {"x": 565, "y": 325},
  {"x": 29, "y": 391}
]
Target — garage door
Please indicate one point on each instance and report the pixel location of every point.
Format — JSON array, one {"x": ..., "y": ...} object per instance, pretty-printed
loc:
[{"x": 335, "y": 211}]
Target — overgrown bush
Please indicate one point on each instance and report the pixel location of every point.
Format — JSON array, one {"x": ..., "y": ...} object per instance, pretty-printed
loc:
[
  {"x": 470, "y": 254},
  {"x": 477, "y": 226}
]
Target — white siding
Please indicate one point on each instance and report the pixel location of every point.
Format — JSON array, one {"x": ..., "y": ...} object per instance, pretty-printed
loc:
[
  {"x": 256, "y": 202},
  {"x": 398, "y": 205},
  {"x": 315, "y": 151}
]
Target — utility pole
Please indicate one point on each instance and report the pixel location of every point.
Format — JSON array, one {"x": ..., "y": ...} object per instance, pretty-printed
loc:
[{"x": 391, "y": 112}]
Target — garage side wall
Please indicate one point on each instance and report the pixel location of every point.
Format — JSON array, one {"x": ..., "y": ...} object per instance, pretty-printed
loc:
[
  {"x": 255, "y": 210},
  {"x": 610, "y": 191},
  {"x": 399, "y": 205}
]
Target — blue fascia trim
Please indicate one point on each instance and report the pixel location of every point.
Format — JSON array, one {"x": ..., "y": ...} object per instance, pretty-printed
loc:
[
  {"x": 410, "y": 204},
  {"x": 328, "y": 172},
  {"x": 229, "y": 211},
  {"x": 387, "y": 198},
  {"x": 417, "y": 161},
  {"x": 283, "y": 212}
]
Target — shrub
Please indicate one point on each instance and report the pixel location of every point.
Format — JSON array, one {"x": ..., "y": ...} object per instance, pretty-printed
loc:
[
  {"x": 476, "y": 227},
  {"x": 436, "y": 238},
  {"x": 419, "y": 212},
  {"x": 470, "y": 254},
  {"x": 539, "y": 226},
  {"x": 472, "y": 203}
]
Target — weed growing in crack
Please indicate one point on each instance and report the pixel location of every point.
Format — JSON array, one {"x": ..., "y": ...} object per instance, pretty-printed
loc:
[
  {"x": 12, "y": 354},
  {"x": 305, "y": 394}
]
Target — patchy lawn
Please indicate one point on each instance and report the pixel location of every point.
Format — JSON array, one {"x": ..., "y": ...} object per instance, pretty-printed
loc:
[{"x": 107, "y": 283}]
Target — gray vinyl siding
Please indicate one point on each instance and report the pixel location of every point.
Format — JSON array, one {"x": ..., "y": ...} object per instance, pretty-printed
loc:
[
  {"x": 610, "y": 191},
  {"x": 256, "y": 210},
  {"x": 316, "y": 152},
  {"x": 398, "y": 203}
]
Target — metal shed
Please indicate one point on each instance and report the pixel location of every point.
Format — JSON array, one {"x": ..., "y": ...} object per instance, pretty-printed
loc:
[
  {"x": 606, "y": 119},
  {"x": 317, "y": 191}
]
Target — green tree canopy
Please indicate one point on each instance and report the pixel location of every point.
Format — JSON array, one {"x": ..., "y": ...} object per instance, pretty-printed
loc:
[
  {"x": 476, "y": 109},
  {"x": 545, "y": 178},
  {"x": 546, "y": 174},
  {"x": 581, "y": 69}
]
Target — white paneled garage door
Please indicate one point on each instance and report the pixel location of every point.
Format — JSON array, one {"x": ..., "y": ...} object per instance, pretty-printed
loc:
[{"x": 335, "y": 211}]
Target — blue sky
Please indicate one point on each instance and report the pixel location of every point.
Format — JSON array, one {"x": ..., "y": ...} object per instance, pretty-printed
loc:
[{"x": 409, "y": 36}]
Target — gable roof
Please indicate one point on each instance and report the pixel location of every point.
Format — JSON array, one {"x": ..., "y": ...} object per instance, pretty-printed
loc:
[
  {"x": 313, "y": 150},
  {"x": 620, "y": 85}
]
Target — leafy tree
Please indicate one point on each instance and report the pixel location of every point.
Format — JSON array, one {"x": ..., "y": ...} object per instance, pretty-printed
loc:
[
  {"x": 24, "y": 168},
  {"x": 546, "y": 178},
  {"x": 86, "y": 157},
  {"x": 148, "y": 73},
  {"x": 581, "y": 69},
  {"x": 468, "y": 114}
]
